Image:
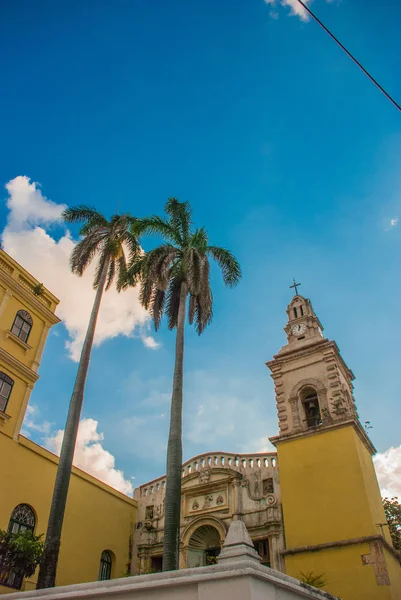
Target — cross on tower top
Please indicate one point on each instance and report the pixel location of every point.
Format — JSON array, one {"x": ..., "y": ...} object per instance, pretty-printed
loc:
[{"x": 295, "y": 285}]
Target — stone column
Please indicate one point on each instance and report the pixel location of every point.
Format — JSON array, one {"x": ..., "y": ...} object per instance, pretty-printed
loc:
[
  {"x": 237, "y": 499},
  {"x": 183, "y": 557},
  {"x": 322, "y": 397},
  {"x": 276, "y": 560},
  {"x": 296, "y": 419}
]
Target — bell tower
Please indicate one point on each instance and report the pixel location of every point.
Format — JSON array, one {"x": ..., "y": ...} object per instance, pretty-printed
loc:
[{"x": 331, "y": 500}]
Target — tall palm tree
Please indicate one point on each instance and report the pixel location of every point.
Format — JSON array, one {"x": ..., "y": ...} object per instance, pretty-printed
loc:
[
  {"x": 172, "y": 272},
  {"x": 113, "y": 243}
]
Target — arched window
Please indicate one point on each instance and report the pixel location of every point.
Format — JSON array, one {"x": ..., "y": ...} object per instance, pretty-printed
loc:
[
  {"x": 22, "y": 325},
  {"x": 310, "y": 403},
  {"x": 6, "y": 385},
  {"x": 22, "y": 519},
  {"x": 106, "y": 563}
]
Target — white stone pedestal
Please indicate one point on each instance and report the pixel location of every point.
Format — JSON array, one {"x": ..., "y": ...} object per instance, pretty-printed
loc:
[{"x": 238, "y": 576}]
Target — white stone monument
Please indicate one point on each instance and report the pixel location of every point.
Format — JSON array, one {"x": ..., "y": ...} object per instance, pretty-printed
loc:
[{"x": 238, "y": 576}]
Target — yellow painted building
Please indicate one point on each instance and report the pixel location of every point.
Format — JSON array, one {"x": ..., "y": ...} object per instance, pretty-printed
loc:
[
  {"x": 99, "y": 520},
  {"x": 334, "y": 521}
]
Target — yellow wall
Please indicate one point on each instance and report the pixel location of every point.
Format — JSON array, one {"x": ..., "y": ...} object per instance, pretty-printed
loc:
[
  {"x": 97, "y": 517},
  {"x": 347, "y": 577},
  {"x": 330, "y": 494}
]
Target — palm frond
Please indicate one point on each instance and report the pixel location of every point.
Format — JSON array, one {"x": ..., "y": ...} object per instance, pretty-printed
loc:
[
  {"x": 121, "y": 269},
  {"x": 111, "y": 273},
  {"x": 133, "y": 274},
  {"x": 180, "y": 215},
  {"x": 114, "y": 247},
  {"x": 204, "y": 300},
  {"x": 157, "y": 226},
  {"x": 229, "y": 265},
  {"x": 111, "y": 240},
  {"x": 158, "y": 262},
  {"x": 192, "y": 308},
  {"x": 89, "y": 227},
  {"x": 158, "y": 307},
  {"x": 84, "y": 252},
  {"x": 146, "y": 291},
  {"x": 132, "y": 246},
  {"x": 173, "y": 301},
  {"x": 81, "y": 213},
  {"x": 193, "y": 268},
  {"x": 199, "y": 239}
]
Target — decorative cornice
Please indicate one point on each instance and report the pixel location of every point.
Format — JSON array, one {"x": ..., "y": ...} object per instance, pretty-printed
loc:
[
  {"x": 6, "y": 266},
  {"x": 322, "y": 345},
  {"x": 18, "y": 366},
  {"x": 206, "y": 455},
  {"x": 287, "y": 352},
  {"x": 8, "y": 263},
  {"x": 30, "y": 298},
  {"x": 320, "y": 429},
  {"x": 340, "y": 544}
]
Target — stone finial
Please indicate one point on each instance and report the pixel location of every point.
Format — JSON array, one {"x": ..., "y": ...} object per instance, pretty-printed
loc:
[{"x": 238, "y": 545}]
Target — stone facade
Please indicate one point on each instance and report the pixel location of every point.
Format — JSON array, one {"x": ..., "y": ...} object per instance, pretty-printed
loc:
[
  {"x": 310, "y": 362},
  {"x": 217, "y": 488}
]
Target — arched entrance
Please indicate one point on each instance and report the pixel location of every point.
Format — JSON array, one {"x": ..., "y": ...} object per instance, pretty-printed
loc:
[{"x": 203, "y": 546}]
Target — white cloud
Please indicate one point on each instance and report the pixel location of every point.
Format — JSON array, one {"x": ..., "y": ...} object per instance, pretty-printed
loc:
[
  {"x": 150, "y": 342},
  {"x": 296, "y": 8},
  {"x": 28, "y": 206},
  {"x": 394, "y": 222},
  {"x": 388, "y": 469},
  {"x": 90, "y": 456},
  {"x": 218, "y": 408},
  {"x": 26, "y": 238},
  {"x": 31, "y": 422}
]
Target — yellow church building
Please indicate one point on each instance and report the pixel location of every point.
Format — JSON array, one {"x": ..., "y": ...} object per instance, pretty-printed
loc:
[
  {"x": 98, "y": 520},
  {"x": 313, "y": 506}
]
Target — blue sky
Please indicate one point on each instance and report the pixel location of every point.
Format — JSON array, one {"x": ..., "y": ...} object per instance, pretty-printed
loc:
[{"x": 289, "y": 156}]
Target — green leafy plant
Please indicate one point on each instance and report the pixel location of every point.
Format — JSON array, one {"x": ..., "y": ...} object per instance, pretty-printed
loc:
[
  {"x": 38, "y": 289},
  {"x": 392, "y": 508},
  {"x": 315, "y": 580},
  {"x": 20, "y": 553}
]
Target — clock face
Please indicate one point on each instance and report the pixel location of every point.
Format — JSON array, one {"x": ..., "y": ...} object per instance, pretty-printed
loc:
[{"x": 299, "y": 329}]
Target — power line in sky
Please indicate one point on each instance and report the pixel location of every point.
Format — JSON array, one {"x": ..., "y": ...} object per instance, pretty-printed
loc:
[{"x": 377, "y": 84}]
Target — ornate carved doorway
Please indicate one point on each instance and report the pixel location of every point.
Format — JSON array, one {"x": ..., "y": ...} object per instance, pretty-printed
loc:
[{"x": 204, "y": 546}]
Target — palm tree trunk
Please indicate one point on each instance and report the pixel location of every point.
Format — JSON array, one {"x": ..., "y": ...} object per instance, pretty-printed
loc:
[
  {"x": 171, "y": 543},
  {"x": 48, "y": 567}
]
